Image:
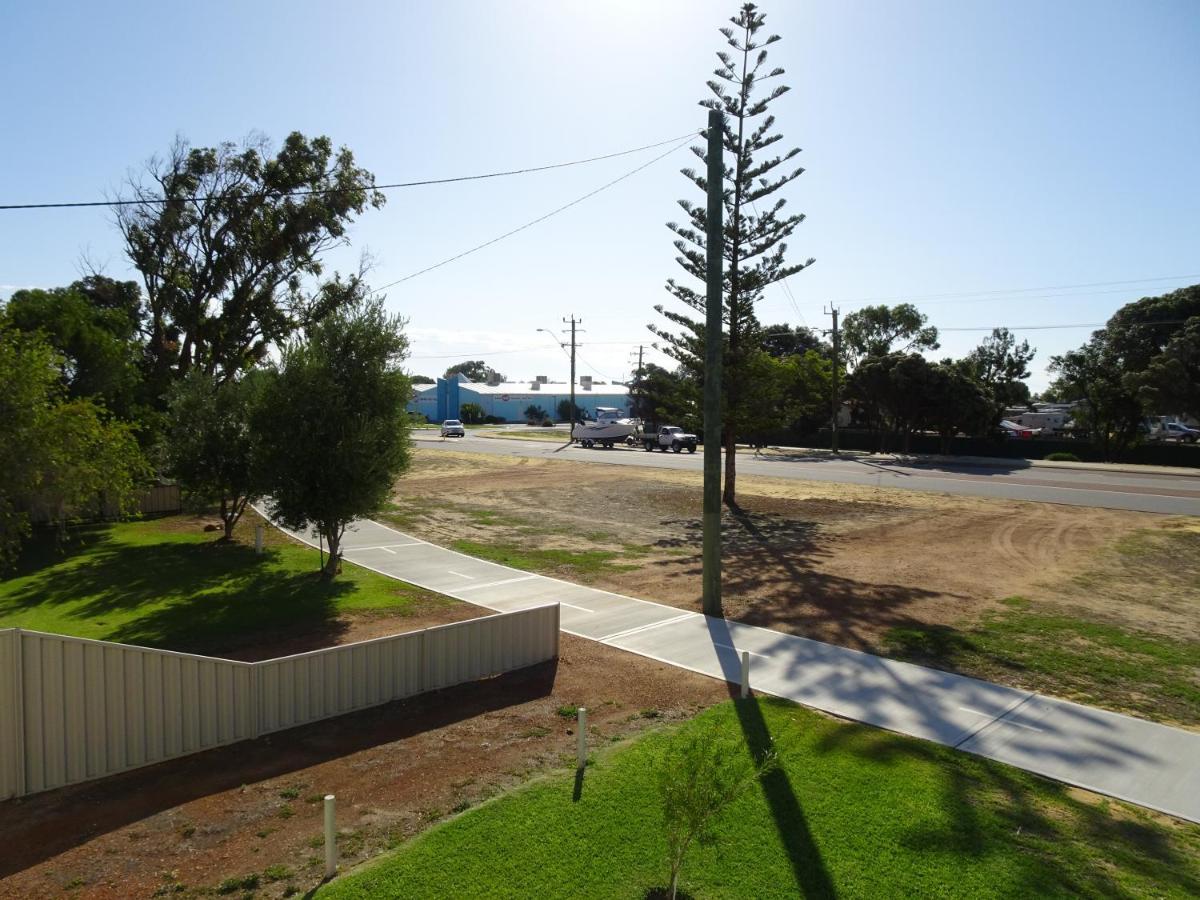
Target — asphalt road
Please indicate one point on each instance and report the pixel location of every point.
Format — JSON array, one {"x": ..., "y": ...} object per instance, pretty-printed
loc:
[{"x": 1155, "y": 493}]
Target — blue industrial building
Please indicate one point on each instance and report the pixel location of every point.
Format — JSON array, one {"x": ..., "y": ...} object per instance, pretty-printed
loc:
[{"x": 508, "y": 400}]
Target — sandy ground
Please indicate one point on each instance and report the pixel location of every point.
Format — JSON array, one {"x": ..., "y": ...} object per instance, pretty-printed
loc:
[{"x": 842, "y": 563}]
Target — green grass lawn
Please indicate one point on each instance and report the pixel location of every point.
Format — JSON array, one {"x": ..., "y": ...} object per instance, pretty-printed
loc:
[
  {"x": 579, "y": 565},
  {"x": 557, "y": 435},
  {"x": 167, "y": 583},
  {"x": 852, "y": 812}
]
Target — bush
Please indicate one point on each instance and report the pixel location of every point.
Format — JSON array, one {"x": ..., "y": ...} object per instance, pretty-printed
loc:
[
  {"x": 547, "y": 422},
  {"x": 471, "y": 413},
  {"x": 1061, "y": 457}
]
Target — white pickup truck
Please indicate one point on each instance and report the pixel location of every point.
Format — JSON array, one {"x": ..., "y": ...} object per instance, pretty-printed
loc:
[{"x": 670, "y": 437}]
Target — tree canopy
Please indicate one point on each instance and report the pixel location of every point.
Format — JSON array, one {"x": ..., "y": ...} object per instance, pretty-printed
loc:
[
  {"x": 880, "y": 330},
  {"x": 755, "y": 238},
  {"x": 475, "y": 370},
  {"x": 332, "y": 427},
  {"x": 226, "y": 242}
]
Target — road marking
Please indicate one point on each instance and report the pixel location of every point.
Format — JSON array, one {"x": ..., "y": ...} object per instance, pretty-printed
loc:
[
  {"x": 476, "y": 587},
  {"x": 388, "y": 550},
  {"x": 461, "y": 575},
  {"x": 631, "y": 631},
  {"x": 736, "y": 650},
  {"x": 573, "y": 606}
]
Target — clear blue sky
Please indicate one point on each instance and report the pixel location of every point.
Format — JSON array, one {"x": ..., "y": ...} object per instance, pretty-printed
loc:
[{"x": 951, "y": 147}]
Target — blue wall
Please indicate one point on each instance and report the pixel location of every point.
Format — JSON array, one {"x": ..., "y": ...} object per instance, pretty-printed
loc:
[{"x": 445, "y": 401}]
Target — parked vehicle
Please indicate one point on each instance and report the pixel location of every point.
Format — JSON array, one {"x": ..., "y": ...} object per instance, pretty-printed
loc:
[
  {"x": 670, "y": 437},
  {"x": 607, "y": 429},
  {"x": 1174, "y": 431},
  {"x": 453, "y": 428}
]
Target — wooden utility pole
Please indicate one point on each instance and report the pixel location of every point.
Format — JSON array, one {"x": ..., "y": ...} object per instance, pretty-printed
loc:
[
  {"x": 573, "y": 322},
  {"x": 713, "y": 347},
  {"x": 837, "y": 406}
]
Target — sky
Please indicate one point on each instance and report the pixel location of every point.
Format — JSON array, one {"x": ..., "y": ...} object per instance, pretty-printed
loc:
[{"x": 1016, "y": 164}]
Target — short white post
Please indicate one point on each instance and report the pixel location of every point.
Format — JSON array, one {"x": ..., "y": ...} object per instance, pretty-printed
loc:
[
  {"x": 581, "y": 745},
  {"x": 258, "y": 540},
  {"x": 330, "y": 838},
  {"x": 745, "y": 674}
]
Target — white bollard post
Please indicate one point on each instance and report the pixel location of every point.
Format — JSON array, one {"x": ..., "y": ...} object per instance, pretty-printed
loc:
[
  {"x": 745, "y": 674},
  {"x": 258, "y": 540},
  {"x": 330, "y": 838},
  {"x": 581, "y": 748}
]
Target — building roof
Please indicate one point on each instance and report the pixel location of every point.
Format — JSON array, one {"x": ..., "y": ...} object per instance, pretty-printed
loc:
[{"x": 546, "y": 387}]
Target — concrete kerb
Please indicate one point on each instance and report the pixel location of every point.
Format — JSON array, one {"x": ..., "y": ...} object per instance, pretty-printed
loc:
[{"x": 991, "y": 462}]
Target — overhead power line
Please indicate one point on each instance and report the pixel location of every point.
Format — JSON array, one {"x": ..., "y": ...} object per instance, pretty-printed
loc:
[
  {"x": 1028, "y": 290},
  {"x": 151, "y": 201},
  {"x": 531, "y": 223},
  {"x": 1049, "y": 327}
]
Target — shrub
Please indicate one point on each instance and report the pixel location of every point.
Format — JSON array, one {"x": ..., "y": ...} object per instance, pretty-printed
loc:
[
  {"x": 1062, "y": 456},
  {"x": 471, "y": 413},
  {"x": 547, "y": 422}
]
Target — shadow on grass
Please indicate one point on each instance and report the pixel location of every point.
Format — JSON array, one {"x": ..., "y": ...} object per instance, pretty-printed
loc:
[
  {"x": 808, "y": 866},
  {"x": 986, "y": 807},
  {"x": 185, "y": 595},
  {"x": 44, "y": 825}
]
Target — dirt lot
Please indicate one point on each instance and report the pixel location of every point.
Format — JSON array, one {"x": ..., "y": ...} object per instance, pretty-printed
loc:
[
  {"x": 250, "y": 814},
  {"x": 853, "y": 565}
]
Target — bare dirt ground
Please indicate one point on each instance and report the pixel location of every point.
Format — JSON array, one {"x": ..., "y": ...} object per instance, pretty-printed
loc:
[
  {"x": 842, "y": 563},
  {"x": 249, "y": 816}
]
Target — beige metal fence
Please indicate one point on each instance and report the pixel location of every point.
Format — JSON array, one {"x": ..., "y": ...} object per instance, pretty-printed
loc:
[{"x": 73, "y": 709}]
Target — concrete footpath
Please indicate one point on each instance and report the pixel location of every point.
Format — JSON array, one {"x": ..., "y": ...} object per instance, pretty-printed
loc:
[{"x": 1131, "y": 759}]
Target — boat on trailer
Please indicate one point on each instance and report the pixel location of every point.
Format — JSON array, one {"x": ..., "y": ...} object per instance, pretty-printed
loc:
[{"x": 609, "y": 428}]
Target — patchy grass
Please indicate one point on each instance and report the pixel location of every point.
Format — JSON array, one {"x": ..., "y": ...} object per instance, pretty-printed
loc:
[
  {"x": 578, "y": 565},
  {"x": 556, "y": 435},
  {"x": 852, "y": 812},
  {"x": 1115, "y": 667},
  {"x": 167, "y": 583}
]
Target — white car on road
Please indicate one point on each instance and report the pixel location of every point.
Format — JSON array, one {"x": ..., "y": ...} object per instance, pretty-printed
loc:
[{"x": 453, "y": 428}]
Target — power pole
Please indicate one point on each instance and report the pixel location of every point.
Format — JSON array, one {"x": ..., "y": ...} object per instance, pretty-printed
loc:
[
  {"x": 837, "y": 406},
  {"x": 637, "y": 393},
  {"x": 714, "y": 242},
  {"x": 573, "y": 322}
]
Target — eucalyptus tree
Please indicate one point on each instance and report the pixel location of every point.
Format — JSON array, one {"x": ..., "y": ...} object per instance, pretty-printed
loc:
[{"x": 756, "y": 226}]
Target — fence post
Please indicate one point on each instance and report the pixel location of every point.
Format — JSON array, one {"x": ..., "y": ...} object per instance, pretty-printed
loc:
[
  {"x": 18, "y": 699},
  {"x": 330, "y": 838},
  {"x": 745, "y": 674},
  {"x": 581, "y": 743},
  {"x": 258, "y": 540}
]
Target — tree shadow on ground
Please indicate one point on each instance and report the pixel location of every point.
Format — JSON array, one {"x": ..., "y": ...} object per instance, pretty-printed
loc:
[
  {"x": 808, "y": 866},
  {"x": 36, "y": 828},
  {"x": 987, "y": 807},
  {"x": 770, "y": 578},
  {"x": 188, "y": 596}
]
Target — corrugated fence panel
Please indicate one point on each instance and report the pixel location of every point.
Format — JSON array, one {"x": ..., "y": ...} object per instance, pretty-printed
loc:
[{"x": 75, "y": 709}]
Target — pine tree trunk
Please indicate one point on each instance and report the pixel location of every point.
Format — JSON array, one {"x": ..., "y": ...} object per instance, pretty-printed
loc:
[{"x": 729, "y": 494}]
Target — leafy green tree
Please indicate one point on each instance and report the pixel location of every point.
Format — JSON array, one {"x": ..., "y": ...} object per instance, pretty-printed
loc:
[
  {"x": 700, "y": 773},
  {"x": 471, "y": 413},
  {"x": 534, "y": 414},
  {"x": 564, "y": 411},
  {"x": 59, "y": 456},
  {"x": 422, "y": 379},
  {"x": 475, "y": 370},
  {"x": 663, "y": 397},
  {"x": 226, "y": 243},
  {"x": 1171, "y": 382},
  {"x": 785, "y": 340},
  {"x": 332, "y": 428},
  {"x": 1000, "y": 366},
  {"x": 94, "y": 326},
  {"x": 755, "y": 239},
  {"x": 957, "y": 402},
  {"x": 1111, "y": 411},
  {"x": 880, "y": 330},
  {"x": 210, "y": 445}
]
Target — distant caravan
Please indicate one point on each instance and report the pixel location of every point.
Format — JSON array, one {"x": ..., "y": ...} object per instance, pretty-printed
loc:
[{"x": 608, "y": 430}]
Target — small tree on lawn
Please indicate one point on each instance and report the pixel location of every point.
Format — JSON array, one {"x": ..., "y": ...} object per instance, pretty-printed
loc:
[
  {"x": 534, "y": 414},
  {"x": 210, "y": 446},
  {"x": 700, "y": 773},
  {"x": 472, "y": 413},
  {"x": 332, "y": 426}
]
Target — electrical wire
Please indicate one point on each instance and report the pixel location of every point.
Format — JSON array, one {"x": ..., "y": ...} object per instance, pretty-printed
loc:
[
  {"x": 984, "y": 294},
  {"x": 533, "y": 222},
  {"x": 150, "y": 201},
  {"x": 1049, "y": 327}
]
